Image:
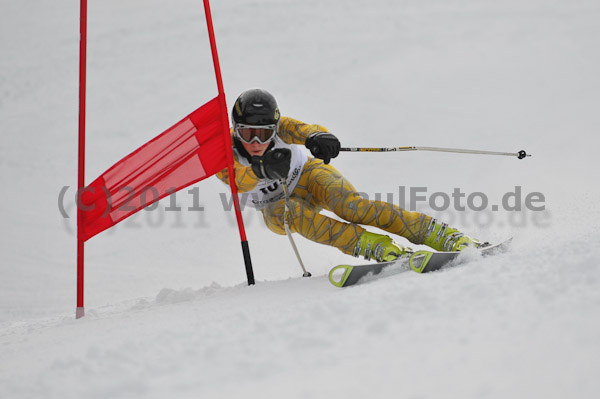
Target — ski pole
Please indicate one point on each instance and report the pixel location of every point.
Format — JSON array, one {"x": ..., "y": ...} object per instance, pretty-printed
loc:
[
  {"x": 287, "y": 228},
  {"x": 521, "y": 154}
]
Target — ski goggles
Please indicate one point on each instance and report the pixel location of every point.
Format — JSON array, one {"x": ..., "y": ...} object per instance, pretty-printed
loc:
[{"x": 249, "y": 134}]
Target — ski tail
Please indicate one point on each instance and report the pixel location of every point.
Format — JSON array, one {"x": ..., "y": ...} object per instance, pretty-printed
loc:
[{"x": 347, "y": 270}]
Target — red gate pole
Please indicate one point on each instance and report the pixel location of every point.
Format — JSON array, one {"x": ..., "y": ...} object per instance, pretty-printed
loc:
[
  {"x": 228, "y": 145},
  {"x": 80, "y": 311}
]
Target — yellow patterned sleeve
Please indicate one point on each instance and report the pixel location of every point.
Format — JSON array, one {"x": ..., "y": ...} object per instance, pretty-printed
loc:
[
  {"x": 245, "y": 179},
  {"x": 292, "y": 131}
]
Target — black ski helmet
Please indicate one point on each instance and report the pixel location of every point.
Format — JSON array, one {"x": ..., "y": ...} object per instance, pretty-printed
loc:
[{"x": 255, "y": 107}]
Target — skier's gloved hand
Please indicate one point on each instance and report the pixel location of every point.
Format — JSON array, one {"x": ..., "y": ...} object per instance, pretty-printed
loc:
[
  {"x": 323, "y": 145},
  {"x": 274, "y": 164}
]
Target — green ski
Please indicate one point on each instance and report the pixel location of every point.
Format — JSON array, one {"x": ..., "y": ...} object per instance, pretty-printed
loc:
[{"x": 419, "y": 261}]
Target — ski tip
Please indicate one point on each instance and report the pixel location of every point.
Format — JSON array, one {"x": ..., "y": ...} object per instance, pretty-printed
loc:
[{"x": 335, "y": 273}]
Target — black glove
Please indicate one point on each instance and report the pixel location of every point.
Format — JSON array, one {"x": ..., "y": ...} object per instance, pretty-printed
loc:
[
  {"x": 323, "y": 145},
  {"x": 274, "y": 164}
]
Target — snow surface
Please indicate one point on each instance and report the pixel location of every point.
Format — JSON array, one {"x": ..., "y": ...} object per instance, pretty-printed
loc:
[{"x": 168, "y": 310}]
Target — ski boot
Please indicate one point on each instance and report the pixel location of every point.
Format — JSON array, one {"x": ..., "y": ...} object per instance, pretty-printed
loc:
[
  {"x": 447, "y": 239},
  {"x": 379, "y": 247}
]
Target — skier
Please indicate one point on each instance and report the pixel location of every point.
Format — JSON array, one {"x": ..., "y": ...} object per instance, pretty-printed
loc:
[{"x": 266, "y": 150}]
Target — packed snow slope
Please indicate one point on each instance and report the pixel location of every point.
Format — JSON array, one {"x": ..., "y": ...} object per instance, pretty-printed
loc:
[{"x": 168, "y": 310}]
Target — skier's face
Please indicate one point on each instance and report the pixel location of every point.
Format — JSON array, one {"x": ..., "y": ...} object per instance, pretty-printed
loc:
[{"x": 255, "y": 148}]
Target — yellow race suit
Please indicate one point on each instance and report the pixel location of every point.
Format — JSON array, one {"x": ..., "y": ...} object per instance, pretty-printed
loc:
[{"x": 319, "y": 186}]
